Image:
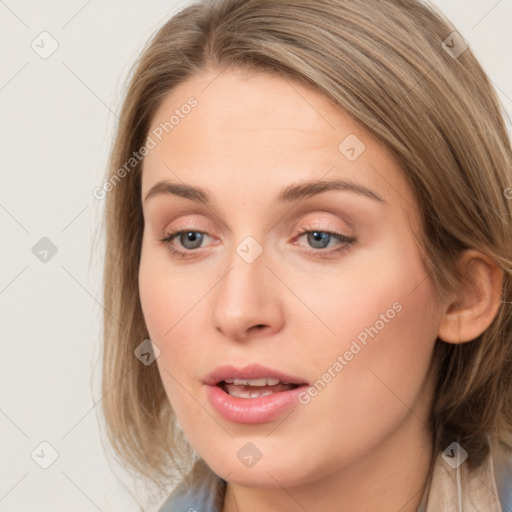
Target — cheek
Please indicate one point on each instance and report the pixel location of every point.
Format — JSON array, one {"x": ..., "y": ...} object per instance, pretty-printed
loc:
[
  {"x": 166, "y": 297},
  {"x": 154, "y": 296},
  {"x": 381, "y": 296},
  {"x": 385, "y": 321},
  {"x": 171, "y": 304}
]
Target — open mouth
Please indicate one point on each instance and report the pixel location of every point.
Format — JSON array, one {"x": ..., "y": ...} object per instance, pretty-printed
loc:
[
  {"x": 252, "y": 394},
  {"x": 254, "y": 388}
]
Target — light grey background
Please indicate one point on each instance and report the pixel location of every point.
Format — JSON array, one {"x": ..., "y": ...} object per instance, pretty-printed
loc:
[{"x": 57, "y": 118}]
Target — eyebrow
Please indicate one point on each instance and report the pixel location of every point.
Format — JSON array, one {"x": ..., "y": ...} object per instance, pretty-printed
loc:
[{"x": 288, "y": 194}]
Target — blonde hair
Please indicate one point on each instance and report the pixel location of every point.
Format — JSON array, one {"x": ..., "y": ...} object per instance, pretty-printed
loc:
[{"x": 382, "y": 62}]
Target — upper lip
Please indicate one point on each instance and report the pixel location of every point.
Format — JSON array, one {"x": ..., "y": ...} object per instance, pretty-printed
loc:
[{"x": 251, "y": 371}]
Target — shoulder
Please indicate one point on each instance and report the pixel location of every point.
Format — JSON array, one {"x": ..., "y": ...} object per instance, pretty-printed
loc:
[
  {"x": 200, "y": 491},
  {"x": 503, "y": 475}
]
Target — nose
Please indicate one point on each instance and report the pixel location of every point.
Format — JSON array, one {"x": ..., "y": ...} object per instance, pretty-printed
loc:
[{"x": 247, "y": 301}]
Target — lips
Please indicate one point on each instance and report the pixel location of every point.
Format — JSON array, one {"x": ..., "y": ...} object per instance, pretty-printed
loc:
[{"x": 253, "y": 394}]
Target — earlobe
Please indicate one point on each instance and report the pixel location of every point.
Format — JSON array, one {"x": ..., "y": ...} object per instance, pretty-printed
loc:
[{"x": 473, "y": 307}]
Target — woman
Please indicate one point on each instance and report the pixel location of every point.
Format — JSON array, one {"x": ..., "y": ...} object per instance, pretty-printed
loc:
[{"x": 308, "y": 263}]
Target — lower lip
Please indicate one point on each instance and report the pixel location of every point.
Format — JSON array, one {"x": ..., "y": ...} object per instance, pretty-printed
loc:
[{"x": 253, "y": 410}]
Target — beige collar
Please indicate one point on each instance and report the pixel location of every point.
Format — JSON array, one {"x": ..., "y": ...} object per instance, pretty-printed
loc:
[{"x": 461, "y": 490}]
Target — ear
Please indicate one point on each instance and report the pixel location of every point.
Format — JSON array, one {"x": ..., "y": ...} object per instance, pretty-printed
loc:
[{"x": 471, "y": 308}]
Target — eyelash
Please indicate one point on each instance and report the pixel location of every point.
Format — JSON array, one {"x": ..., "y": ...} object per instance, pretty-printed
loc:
[{"x": 346, "y": 245}]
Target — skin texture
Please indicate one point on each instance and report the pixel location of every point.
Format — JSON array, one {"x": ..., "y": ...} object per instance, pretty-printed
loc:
[{"x": 362, "y": 443}]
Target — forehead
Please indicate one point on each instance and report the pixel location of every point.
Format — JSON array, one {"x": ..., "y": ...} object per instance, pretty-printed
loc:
[
  {"x": 253, "y": 127},
  {"x": 253, "y": 98},
  {"x": 241, "y": 112}
]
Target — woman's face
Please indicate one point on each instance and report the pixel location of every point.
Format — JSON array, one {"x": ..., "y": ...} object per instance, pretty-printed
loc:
[{"x": 257, "y": 286}]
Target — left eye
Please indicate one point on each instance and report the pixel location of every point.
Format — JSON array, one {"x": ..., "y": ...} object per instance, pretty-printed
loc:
[
  {"x": 188, "y": 239},
  {"x": 319, "y": 239}
]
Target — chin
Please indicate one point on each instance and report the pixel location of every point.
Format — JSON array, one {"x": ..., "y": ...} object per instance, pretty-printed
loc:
[{"x": 278, "y": 470}]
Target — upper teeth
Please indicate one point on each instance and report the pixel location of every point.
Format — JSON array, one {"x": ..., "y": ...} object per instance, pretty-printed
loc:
[{"x": 253, "y": 382}]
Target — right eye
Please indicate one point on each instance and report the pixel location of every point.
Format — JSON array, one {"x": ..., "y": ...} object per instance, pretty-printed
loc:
[{"x": 189, "y": 239}]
